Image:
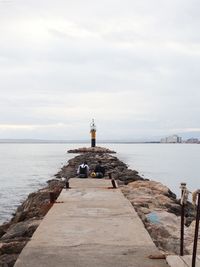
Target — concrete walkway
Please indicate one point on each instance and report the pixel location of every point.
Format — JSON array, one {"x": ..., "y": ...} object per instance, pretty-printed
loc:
[
  {"x": 182, "y": 261},
  {"x": 91, "y": 226}
]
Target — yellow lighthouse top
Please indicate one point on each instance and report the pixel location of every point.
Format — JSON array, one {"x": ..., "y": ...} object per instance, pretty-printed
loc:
[{"x": 92, "y": 126}]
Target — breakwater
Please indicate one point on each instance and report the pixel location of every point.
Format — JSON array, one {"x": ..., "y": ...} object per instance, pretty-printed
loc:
[{"x": 156, "y": 205}]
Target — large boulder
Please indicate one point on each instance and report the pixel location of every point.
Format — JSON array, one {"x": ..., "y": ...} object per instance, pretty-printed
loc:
[
  {"x": 8, "y": 260},
  {"x": 164, "y": 228},
  {"x": 189, "y": 238},
  {"x": 3, "y": 228},
  {"x": 13, "y": 247},
  {"x": 158, "y": 208},
  {"x": 21, "y": 229},
  {"x": 150, "y": 194}
]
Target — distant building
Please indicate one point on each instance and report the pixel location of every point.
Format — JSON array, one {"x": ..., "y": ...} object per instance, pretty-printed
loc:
[
  {"x": 172, "y": 139},
  {"x": 192, "y": 141}
]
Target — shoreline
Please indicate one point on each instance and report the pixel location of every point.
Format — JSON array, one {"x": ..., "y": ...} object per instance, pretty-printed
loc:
[{"x": 156, "y": 205}]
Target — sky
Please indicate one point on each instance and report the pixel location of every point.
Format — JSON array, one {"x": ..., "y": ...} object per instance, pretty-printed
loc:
[{"x": 132, "y": 65}]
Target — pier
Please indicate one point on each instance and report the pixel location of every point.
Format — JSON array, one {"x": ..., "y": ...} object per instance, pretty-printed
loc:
[{"x": 91, "y": 224}]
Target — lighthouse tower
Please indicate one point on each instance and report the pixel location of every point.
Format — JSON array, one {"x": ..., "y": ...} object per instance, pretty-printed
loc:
[{"x": 93, "y": 133}]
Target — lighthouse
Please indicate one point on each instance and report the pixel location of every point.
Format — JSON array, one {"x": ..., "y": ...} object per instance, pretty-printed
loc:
[{"x": 93, "y": 133}]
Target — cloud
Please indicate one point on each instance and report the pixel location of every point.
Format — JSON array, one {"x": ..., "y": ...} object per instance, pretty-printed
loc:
[{"x": 132, "y": 65}]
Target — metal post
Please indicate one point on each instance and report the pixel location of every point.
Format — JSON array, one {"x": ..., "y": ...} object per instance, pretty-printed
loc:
[
  {"x": 183, "y": 186},
  {"x": 196, "y": 232},
  {"x": 113, "y": 183},
  {"x": 182, "y": 229},
  {"x": 52, "y": 197},
  {"x": 67, "y": 183}
]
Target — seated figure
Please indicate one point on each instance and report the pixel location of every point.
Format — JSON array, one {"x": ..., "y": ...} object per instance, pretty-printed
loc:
[
  {"x": 99, "y": 170},
  {"x": 83, "y": 170}
]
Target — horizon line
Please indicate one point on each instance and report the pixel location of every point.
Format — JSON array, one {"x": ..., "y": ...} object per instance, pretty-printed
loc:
[{"x": 23, "y": 140}]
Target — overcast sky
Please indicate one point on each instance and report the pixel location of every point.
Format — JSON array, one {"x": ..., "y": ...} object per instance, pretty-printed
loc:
[{"x": 133, "y": 65}]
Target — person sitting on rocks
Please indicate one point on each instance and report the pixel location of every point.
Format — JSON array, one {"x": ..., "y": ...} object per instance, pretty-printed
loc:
[
  {"x": 83, "y": 170},
  {"x": 99, "y": 170}
]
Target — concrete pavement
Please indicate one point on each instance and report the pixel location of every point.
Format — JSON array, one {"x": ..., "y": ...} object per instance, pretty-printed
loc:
[
  {"x": 182, "y": 261},
  {"x": 90, "y": 226}
]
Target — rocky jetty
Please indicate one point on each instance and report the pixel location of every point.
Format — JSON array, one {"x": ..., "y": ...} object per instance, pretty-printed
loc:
[
  {"x": 96, "y": 149},
  {"x": 156, "y": 205},
  {"x": 113, "y": 166},
  {"x": 160, "y": 212},
  {"x": 15, "y": 234}
]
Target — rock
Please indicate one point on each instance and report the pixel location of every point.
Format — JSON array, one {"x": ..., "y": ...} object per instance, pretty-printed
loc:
[
  {"x": 189, "y": 238},
  {"x": 8, "y": 260},
  {"x": 153, "y": 186},
  {"x": 164, "y": 228},
  {"x": 37, "y": 204},
  {"x": 21, "y": 229},
  {"x": 91, "y": 150},
  {"x": 150, "y": 194},
  {"x": 169, "y": 220},
  {"x": 113, "y": 165},
  {"x": 13, "y": 247},
  {"x": 158, "y": 209},
  {"x": 3, "y": 228}
]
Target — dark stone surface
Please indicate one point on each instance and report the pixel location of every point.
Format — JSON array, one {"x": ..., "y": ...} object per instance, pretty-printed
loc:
[
  {"x": 21, "y": 229},
  {"x": 13, "y": 247},
  {"x": 95, "y": 149},
  {"x": 8, "y": 260}
]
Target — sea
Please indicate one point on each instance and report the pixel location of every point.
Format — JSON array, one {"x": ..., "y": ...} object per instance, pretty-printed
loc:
[{"x": 26, "y": 167}]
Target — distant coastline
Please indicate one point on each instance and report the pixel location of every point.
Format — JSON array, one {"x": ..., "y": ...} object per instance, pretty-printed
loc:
[
  {"x": 38, "y": 141},
  {"x": 41, "y": 141}
]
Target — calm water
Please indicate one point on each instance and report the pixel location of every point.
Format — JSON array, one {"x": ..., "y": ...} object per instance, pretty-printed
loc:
[{"x": 27, "y": 167}]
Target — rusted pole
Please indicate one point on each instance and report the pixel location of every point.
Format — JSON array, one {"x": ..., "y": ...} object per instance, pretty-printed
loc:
[
  {"x": 67, "y": 183},
  {"x": 183, "y": 186},
  {"x": 52, "y": 197},
  {"x": 113, "y": 183},
  {"x": 182, "y": 229},
  {"x": 196, "y": 232}
]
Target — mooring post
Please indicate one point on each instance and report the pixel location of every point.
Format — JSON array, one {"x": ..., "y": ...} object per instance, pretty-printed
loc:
[
  {"x": 52, "y": 197},
  {"x": 183, "y": 188},
  {"x": 113, "y": 183},
  {"x": 67, "y": 183},
  {"x": 196, "y": 231}
]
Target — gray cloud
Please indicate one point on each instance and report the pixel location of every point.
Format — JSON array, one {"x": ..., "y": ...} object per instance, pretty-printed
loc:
[{"x": 133, "y": 66}]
